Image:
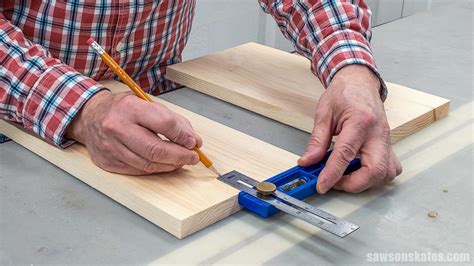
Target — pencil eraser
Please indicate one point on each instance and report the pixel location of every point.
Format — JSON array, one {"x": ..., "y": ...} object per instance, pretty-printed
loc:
[{"x": 90, "y": 41}]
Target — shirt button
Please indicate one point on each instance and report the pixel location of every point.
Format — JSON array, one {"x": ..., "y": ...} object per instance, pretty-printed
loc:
[{"x": 119, "y": 47}]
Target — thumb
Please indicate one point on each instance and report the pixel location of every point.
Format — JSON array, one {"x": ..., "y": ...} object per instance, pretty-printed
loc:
[{"x": 318, "y": 144}]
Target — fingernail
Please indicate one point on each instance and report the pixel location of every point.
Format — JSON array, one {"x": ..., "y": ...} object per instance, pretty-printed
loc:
[
  {"x": 321, "y": 187},
  {"x": 190, "y": 143},
  {"x": 299, "y": 160},
  {"x": 302, "y": 158},
  {"x": 195, "y": 159}
]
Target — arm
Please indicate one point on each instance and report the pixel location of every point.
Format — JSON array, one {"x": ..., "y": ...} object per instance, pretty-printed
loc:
[
  {"x": 335, "y": 36},
  {"x": 55, "y": 101},
  {"x": 37, "y": 90},
  {"x": 332, "y": 34}
]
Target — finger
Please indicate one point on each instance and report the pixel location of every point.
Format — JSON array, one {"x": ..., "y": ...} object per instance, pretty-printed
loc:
[
  {"x": 374, "y": 169},
  {"x": 186, "y": 122},
  {"x": 113, "y": 165},
  {"x": 347, "y": 145},
  {"x": 198, "y": 140},
  {"x": 159, "y": 119},
  {"x": 394, "y": 168},
  {"x": 123, "y": 168},
  {"x": 338, "y": 186},
  {"x": 398, "y": 164},
  {"x": 135, "y": 161},
  {"x": 356, "y": 182},
  {"x": 157, "y": 168},
  {"x": 149, "y": 146},
  {"x": 319, "y": 141}
]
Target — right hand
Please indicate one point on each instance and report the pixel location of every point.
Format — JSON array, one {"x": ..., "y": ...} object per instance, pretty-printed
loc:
[
  {"x": 351, "y": 108},
  {"x": 120, "y": 133}
]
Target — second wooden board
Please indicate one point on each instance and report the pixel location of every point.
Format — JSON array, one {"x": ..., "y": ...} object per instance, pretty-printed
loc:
[{"x": 281, "y": 86}]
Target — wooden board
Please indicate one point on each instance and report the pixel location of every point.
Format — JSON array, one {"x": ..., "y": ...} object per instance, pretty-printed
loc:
[
  {"x": 180, "y": 202},
  {"x": 281, "y": 86}
]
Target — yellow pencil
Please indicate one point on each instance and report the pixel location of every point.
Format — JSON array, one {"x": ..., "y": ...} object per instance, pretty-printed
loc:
[{"x": 138, "y": 91}]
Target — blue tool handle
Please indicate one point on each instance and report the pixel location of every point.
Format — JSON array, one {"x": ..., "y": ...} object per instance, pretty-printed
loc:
[{"x": 298, "y": 182}]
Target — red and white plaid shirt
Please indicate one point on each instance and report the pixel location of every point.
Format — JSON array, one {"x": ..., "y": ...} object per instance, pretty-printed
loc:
[{"x": 47, "y": 70}]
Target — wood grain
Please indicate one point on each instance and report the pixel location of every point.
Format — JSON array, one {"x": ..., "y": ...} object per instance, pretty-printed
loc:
[
  {"x": 180, "y": 202},
  {"x": 281, "y": 86}
]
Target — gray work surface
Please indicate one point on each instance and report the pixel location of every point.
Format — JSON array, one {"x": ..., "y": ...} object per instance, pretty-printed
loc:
[{"x": 48, "y": 216}]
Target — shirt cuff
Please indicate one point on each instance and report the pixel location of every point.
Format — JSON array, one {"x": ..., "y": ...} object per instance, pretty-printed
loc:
[
  {"x": 342, "y": 48},
  {"x": 57, "y": 96}
]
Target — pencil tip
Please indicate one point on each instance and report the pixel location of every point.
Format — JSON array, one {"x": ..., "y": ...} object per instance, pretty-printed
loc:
[{"x": 213, "y": 169}]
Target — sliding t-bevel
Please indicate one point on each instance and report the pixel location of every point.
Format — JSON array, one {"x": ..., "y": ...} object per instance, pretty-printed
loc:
[{"x": 285, "y": 191}]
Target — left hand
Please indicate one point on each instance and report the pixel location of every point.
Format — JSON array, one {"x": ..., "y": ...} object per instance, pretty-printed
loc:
[{"x": 352, "y": 109}]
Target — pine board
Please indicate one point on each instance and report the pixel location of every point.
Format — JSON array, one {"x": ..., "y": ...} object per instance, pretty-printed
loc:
[
  {"x": 181, "y": 202},
  {"x": 280, "y": 85}
]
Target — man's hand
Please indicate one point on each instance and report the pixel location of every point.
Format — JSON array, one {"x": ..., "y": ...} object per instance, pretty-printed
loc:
[
  {"x": 351, "y": 108},
  {"x": 120, "y": 133}
]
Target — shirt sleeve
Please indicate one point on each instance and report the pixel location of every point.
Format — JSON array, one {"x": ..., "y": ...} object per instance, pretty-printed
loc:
[
  {"x": 37, "y": 90},
  {"x": 332, "y": 34}
]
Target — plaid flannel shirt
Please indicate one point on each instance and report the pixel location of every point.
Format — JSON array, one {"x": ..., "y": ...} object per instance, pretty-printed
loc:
[{"x": 48, "y": 72}]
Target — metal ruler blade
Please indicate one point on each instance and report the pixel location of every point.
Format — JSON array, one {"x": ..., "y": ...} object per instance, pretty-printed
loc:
[{"x": 291, "y": 205}]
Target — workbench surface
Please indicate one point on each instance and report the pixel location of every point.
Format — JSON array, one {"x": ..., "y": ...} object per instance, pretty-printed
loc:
[{"x": 48, "y": 216}]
